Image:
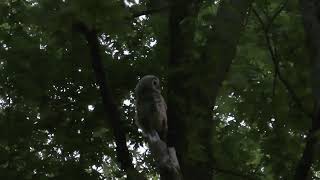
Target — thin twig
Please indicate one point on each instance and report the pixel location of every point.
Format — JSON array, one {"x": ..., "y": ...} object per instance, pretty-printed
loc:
[
  {"x": 275, "y": 60},
  {"x": 275, "y": 15}
]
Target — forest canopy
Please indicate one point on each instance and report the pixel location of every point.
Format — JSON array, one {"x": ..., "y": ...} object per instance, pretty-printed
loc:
[{"x": 241, "y": 80}]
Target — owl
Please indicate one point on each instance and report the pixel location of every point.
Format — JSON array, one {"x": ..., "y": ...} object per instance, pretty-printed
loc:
[{"x": 151, "y": 115}]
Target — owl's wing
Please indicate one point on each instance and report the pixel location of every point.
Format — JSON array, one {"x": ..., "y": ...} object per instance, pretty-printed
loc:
[
  {"x": 163, "y": 102},
  {"x": 146, "y": 115},
  {"x": 163, "y": 116}
]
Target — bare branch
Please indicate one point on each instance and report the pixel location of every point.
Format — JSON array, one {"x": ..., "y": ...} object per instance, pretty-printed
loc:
[
  {"x": 111, "y": 108},
  {"x": 165, "y": 157}
]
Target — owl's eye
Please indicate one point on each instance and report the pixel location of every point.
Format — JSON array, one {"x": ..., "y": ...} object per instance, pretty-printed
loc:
[{"x": 155, "y": 83}]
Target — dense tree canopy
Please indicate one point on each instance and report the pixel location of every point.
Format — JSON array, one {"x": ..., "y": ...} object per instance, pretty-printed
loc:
[{"x": 241, "y": 79}]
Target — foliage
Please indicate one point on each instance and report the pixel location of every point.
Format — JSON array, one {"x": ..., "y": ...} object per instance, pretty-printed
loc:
[{"x": 52, "y": 120}]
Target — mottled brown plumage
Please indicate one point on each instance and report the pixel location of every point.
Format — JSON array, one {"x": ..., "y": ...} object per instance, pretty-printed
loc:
[{"x": 151, "y": 108}]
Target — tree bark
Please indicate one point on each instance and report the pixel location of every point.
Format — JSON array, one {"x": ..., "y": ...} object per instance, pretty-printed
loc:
[
  {"x": 112, "y": 111},
  {"x": 194, "y": 84},
  {"x": 310, "y": 10}
]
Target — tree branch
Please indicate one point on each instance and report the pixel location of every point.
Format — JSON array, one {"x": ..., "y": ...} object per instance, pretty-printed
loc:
[
  {"x": 113, "y": 113},
  {"x": 275, "y": 15},
  {"x": 275, "y": 60},
  {"x": 165, "y": 157},
  {"x": 268, "y": 26}
]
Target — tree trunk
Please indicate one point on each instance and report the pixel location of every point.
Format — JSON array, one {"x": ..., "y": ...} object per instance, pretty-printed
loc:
[
  {"x": 310, "y": 10},
  {"x": 194, "y": 84}
]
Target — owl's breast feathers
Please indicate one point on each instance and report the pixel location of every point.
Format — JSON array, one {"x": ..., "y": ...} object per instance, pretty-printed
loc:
[{"x": 147, "y": 106}]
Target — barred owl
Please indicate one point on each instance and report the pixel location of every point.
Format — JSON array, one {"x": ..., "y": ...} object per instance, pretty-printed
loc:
[{"x": 151, "y": 108}]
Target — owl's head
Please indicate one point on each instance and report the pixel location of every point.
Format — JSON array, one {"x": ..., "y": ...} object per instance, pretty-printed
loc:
[{"x": 148, "y": 83}]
